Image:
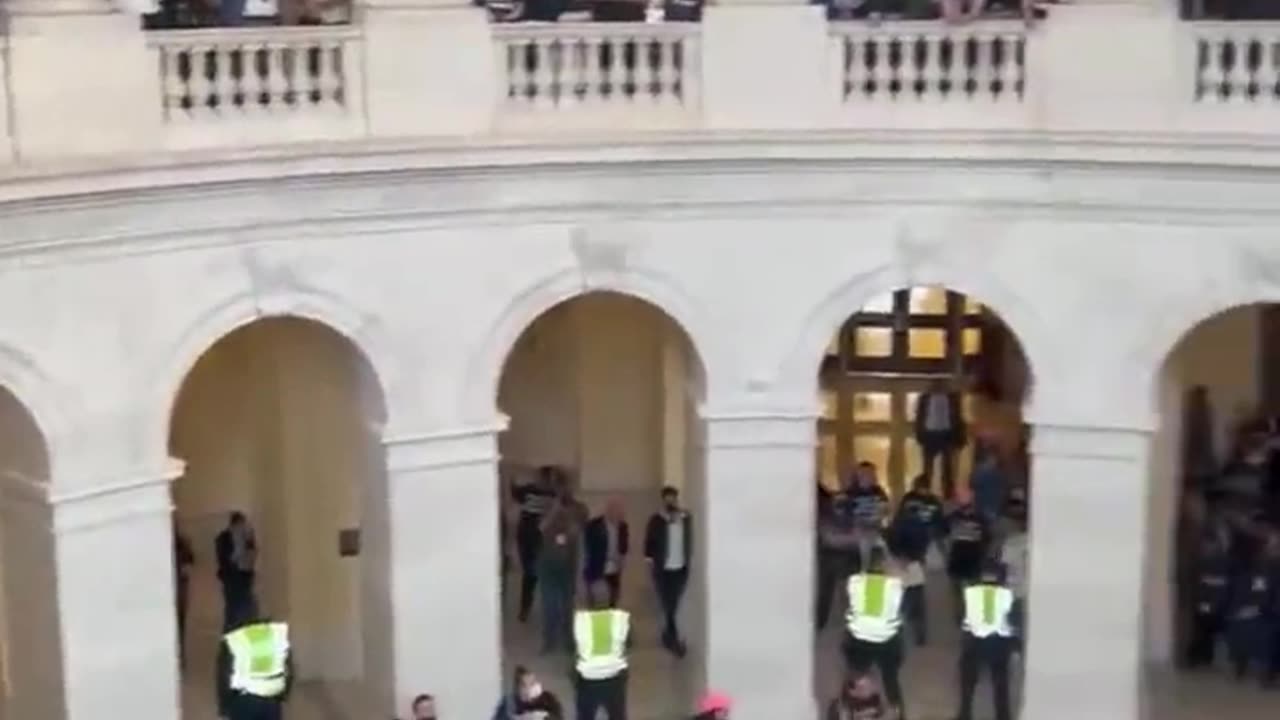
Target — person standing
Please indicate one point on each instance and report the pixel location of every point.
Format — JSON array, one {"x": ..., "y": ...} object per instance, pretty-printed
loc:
[
  {"x": 1210, "y": 598},
  {"x": 534, "y": 499},
  {"x": 988, "y": 632},
  {"x": 1251, "y": 622},
  {"x": 606, "y": 541},
  {"x": 968, "y": 536},
  {"x": 837, "y": 547},
  {"x": 940, "y": 431},
  {"x": 183, "y": 558},
  {"x": 255, "y": 669},
  {"x": 987, "y": 481},
  {"x": 873, "y": 621},
  {"x": 236, "y": 549},
  {"x": 558, "y": 569},
  {"x": 919, "y": 523},
  {"x": 601, "y": 637},
  {"x": 869, "y": 505},
  {"x": 668, "y": 547}
]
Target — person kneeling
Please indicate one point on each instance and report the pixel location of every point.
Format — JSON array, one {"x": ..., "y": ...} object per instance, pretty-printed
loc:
[{"x": 601, "y": 637}]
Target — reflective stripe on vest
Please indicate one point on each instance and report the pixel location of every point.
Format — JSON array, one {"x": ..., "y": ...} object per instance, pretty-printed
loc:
[
  {"x": 258, "y": 658},
  {"x": 601, "y": 638},
  {"x": 875, "y": 604},
  {"x": 987, "y": 609}
]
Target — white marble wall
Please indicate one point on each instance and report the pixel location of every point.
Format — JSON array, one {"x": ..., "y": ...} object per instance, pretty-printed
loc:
[{"x": 434, "y": 275}]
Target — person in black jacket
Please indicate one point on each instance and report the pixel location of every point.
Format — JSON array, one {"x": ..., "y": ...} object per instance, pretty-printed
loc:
[
  {"x": 534, "y": 500},
  {"x": 1251, "y": 622},
  {"x": 668, "y": 547},
  {"x": 236, "y": 550},
  {"x": 919, "y": 523},
  {"x": 1210, "y": 598},
  {"x": 606, "y": 541},
  {"x": 969, "y": 536}
]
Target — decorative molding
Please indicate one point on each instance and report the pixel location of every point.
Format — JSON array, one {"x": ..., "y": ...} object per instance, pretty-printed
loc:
[
  {"x": 451, "y": 448},
  {"x": 141, "y": 492},
  {"x": 730, "y": 428},
  {"x": 1090, "y": 443}
]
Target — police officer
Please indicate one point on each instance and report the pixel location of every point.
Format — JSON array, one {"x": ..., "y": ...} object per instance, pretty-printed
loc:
[
  {"x": 601, "y": 636},
  {"x": 1210, "y": 597},
  {"x": 987, "y": 639},
  {"x": 255, "y": 671},
  {"x": 919, "y": 523},
  {"x": 873, "y": 622},
  {"x": 837, "y": 548}
]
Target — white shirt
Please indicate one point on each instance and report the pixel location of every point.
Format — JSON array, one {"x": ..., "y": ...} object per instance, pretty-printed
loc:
[
  {"x": 261, "y": 8},
  {"x": 675, "y": 543},
  {"x": 937, "y": 413},
  {"x": 611, "y": 533}
]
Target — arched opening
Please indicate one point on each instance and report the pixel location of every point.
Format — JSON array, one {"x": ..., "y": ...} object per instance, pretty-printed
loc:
[
  {"x": 280, "y": 421},
  {"x": 30, "y": 644},
  {"x": 1214, "y": 518},
  {"x": 604, "y": 388},
  {"x": 922, "y": 393}
]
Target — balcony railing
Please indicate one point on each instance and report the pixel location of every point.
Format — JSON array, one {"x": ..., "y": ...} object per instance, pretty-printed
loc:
[
  {"x": 596, "y": 75},
  {"x": 259, "y": 85},
  {"x": 1235, "y": 76},
  {"x": 915, "y": 74}
]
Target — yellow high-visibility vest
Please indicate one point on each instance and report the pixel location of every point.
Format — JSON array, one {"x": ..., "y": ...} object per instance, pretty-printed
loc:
[
  {"x": 259, "y": 656},
  {"x": 601, "y": 637},
  {"x": 875, "y": 607},
  {"x": 987, "y": 609}
]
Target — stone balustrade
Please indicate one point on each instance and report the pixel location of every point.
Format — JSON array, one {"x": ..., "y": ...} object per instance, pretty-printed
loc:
[{"x": 233, "y": 88}]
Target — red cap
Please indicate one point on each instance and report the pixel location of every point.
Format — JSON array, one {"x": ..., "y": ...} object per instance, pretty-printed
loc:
[{"x": 713, "y": 702}]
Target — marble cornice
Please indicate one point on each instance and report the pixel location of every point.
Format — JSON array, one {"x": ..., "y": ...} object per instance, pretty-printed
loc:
[{"x": 712, "y": 179}]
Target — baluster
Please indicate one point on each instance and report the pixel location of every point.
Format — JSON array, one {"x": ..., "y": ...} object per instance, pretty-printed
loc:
[
  {"x": 1219, "y": 72},
  {"x": 522, "y": 59},
  {"x": 633, "y": 63},
  {"x": 589, "y": 78},
  {"x": 615, "y": 73},
  {"x": 226, "y": 84},
  {"x": 929, "y": 73},
  {"x": 988, "y": 57},
  {"x": 201, "y": 80},
  {"x": 327, "y": 80},
  {"x": 176, "y": 81},
  {"x": 1271, "y": 77},
  {"x": 1239, "y": 74},
  {"x": 658, "y": 54},
  {"x": 687, "y": 72},
  {"x": 543, "y": 74},
  {"x": 884, "y": 72}
]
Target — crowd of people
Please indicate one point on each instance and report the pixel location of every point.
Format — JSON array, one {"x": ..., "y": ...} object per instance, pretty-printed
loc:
[
  {"x": 886, "y": 557},
  {"x": 1229, "y": 547},
  {"x": 180, "y": 14}
]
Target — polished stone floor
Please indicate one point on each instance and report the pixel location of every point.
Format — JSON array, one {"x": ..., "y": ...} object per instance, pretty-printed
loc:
[{"x": 664, "y": 688}]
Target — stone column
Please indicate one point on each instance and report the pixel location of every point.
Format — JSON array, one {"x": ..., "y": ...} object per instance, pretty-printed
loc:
[
  {"x": 429, "y": 68},
  {"x": 765, "y": 66},
  {"x": 442, "y": 503},
  {"x": 759, "y": 538},
  {"x": 70, "y": 60},
  {"x": 1085, "y": 608},
  {"x": 113, "y": 558}
]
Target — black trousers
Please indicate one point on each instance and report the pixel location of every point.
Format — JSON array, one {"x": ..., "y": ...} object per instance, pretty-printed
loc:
[
  {"x": 183, "y": 597},
  {"x": 916, "y": 612},
  {"x": 237, "y": 598},
  {"x": 940, "y": 449},
  {"x": 991, "y": 653},
  {"x": 670, "y": 585},
  {"x": 1205, "y": 629},
  {"x": 252, "y": 707},
  {"x": 609, "y": 693},
  {"x": 834, "y": 566},
  {"x": 528, "y": 546},
  {"x": 885, "y": 656}
]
